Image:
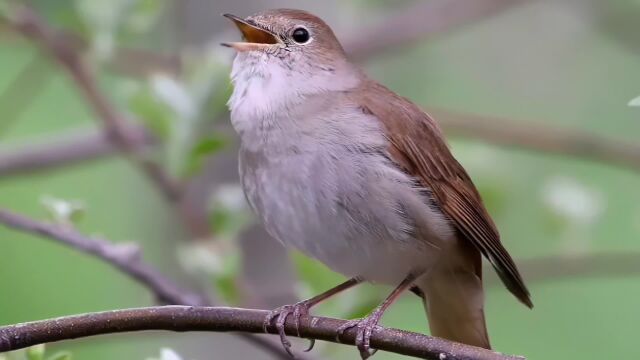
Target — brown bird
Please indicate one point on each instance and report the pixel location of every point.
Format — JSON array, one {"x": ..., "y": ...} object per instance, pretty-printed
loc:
[{"x": 349, "y": 173}]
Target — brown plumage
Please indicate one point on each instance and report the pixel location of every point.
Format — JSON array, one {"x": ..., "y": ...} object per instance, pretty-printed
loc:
[
  {"x": 419, "y": 148},
  {"x": 364, "y": 218}
]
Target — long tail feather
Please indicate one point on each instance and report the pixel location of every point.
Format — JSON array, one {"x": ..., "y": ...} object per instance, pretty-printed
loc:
[{"x": 454, "y": 301}]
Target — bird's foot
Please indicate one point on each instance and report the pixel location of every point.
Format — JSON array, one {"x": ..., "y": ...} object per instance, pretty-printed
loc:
[
  {"x": 365, "y": 327},
  {"x": 280, "y": 316}
]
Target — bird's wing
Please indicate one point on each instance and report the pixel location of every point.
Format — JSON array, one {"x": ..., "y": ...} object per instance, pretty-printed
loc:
[{"x": 418, "y": 146}]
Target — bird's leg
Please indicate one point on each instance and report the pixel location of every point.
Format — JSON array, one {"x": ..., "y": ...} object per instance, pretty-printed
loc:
[
  {"x": 366, "y": 325},
  {"x": 300, "y": 309}
]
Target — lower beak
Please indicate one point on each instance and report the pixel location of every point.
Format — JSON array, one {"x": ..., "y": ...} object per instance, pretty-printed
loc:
[{"x": 255, "y": 37}]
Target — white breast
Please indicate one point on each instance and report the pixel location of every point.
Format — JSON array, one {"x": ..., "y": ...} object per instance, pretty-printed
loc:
[{"x": 315, "y": 171}]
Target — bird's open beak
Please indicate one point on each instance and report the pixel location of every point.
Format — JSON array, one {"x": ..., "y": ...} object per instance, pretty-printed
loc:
[{"x": 255, "y": 38}]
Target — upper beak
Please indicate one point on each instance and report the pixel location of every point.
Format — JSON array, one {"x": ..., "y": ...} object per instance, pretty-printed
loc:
[{"x": 255, "y": 37}]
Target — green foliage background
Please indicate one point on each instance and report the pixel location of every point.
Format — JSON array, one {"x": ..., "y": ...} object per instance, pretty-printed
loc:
[{"x": 516, "y": 65}]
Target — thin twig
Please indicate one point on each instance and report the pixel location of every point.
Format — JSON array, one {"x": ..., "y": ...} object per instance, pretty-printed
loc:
[
  {"x": 127, "y": 259},
  {"x": 422, "y": 21},
  {"x": 574, "y": 266},
  {"x": 23, "y": 89},
  {"x": 35, "y": 28},
  {"x": 544, "y": 138},
  {"x": 71, "y": 148},
  {"x": 60, "y": 46},
  {"x": 541, "y": 138},
  {"x": 184, "y": 318}
]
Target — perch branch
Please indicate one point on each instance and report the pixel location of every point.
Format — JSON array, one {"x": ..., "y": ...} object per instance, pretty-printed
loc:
[
  {"x": 33, "y": 27},
  {"x": 127, "y": 259},
  {"x": 224, "y": 319}
]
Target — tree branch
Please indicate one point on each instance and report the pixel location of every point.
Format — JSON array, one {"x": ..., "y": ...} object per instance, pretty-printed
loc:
[
  {"x": 23, "y": 89},
  {"x": 563, "y": 267},
  {"x": 541, "y": 138},
  {"x": 435, "y": 17},
  {"x": 421, "y": 21},
  {"x": 184, "y": 318},
  {"x": 495, "y": 131},
  {"x": 127, "y": 259},
  {"x": 67, "y": 149},
  {"x": 29, "y": 24}
]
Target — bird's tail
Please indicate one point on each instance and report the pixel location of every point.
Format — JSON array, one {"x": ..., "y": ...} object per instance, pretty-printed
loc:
[{"x": 454, "y": 301}]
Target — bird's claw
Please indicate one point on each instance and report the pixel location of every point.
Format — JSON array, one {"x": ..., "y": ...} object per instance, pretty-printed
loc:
[
  {"x": 280, "y": 315},
  {"x": 365, "y": 328}
]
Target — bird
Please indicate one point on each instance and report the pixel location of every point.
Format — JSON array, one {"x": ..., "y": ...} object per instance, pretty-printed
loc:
[{"x": 344, "y": 170}]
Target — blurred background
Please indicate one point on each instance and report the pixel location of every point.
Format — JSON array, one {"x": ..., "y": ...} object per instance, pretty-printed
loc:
[{"x": 533, "y": 95}]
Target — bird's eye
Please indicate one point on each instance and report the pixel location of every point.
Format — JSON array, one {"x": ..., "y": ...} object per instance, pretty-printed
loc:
[{"x": 300, "y": 35}]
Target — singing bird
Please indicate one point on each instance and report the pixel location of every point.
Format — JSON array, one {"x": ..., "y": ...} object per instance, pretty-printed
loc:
[{"x": 349, "y": 173}]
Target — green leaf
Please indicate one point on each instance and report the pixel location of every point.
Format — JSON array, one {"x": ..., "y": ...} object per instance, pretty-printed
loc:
[
  {"x": 207, "y": 77},
  {"x": 167, "y": 354},
  {"x": 36, "y": 352},
  {"x": 229, "y": 214},
  {"x": 64, "y": 355},
  {"x": 156, "y": 115},
  {"x": 202, "y": 150},
  {"x": 221, "y": 220},
  {"x": 144, "y": 14},
  {"x": 4, "y": 8},
  {"x": 364, "y": 300},
  {"x": 227, "y": 288},
  {"x": 103, "y": 18},
  {"x": 228, "y": 223},
  {"x": 493, "y": 194},
  {"x": 175, "y": 94},
  {"x": 63, "y": 211},
  {"x": 225, "y": 281},
  {"x": 316, "y": 275},
  {"x": 210, "y": 145}
]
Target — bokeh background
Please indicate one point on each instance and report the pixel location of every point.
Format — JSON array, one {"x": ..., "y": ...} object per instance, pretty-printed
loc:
[{"x": 534, "y": 96}]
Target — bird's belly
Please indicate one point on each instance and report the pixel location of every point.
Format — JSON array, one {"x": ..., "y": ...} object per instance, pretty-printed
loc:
[{"x": 356, "y": 219}]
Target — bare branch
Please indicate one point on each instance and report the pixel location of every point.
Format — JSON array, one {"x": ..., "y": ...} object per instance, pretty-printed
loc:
[
  {"x": 541, "y": 138},
  {"x": 563, "y": 267},
  {"x": 126, "y": 258},
  {"x": 437, "y": 16},
  {"x": 140, "y": 62},
  {"x": 67, "y": 149},
  {"x": 184, "y": 318},
  {"x": 572, "y": 143},
  {"x": 421, "y": 21},
  {"x": 23, "y": 89},
  {"x": 60, "y": 47}
]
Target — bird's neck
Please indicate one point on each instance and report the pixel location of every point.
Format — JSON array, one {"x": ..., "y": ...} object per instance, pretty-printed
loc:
[{"x": 266, "y": 88}]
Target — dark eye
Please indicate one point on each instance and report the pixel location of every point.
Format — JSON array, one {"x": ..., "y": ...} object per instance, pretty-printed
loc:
[{"x": 300, "y": 35}]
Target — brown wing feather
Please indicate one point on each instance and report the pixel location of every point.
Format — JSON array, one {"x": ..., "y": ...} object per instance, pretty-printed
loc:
[{"x": 419, "y": 147}]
